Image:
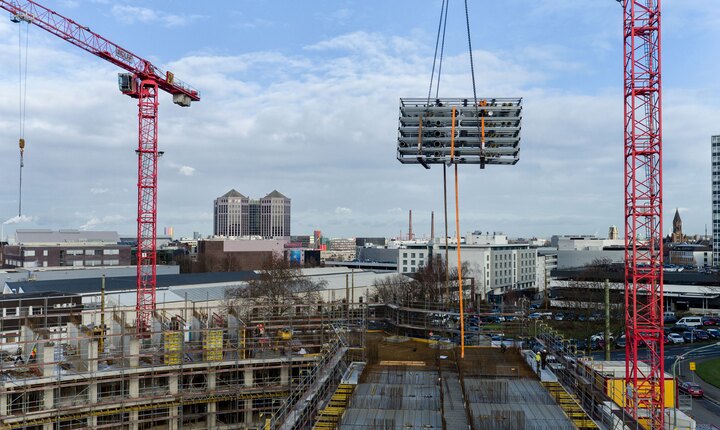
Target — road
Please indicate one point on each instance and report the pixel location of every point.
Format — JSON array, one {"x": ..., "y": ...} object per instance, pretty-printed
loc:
[{"x": 704, "y": 411}]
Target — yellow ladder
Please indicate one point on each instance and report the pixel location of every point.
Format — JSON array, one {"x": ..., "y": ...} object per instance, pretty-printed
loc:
[
  {"x": 570, "y": 405},
  {"x": 329, "y": 418}
]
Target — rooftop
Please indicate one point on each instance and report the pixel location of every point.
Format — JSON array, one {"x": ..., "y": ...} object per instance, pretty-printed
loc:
[{"x": 42, "y": 236}]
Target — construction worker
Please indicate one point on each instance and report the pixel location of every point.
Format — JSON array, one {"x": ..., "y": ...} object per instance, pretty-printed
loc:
[
  {"x": 543, "y": 358},
  {"x": 538, "y": 358}
]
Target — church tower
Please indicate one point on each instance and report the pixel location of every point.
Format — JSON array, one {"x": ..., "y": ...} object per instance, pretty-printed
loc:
[{"x": 677, "y": 234}]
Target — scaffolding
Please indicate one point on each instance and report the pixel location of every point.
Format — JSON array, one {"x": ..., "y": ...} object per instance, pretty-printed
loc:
[{"x": 229, "y": 366}]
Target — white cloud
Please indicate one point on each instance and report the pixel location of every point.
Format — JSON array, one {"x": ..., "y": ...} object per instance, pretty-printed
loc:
[
  {"x": 342, "y": 211},
  {"x": 131, "y": 14},
  {"x": 186, "y": 170},
  {"x": 99, "y": 190}
]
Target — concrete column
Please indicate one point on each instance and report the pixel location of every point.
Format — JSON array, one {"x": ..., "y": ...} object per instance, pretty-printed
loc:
[
  {"x": 134, "y": 352},
  {"x": 92, "y": 391},
  {"x": 134, "y": 387},
  {"x": 3, "y": 404},
  {"x": 48, "y": 356},
  {"x": 211, "y": 417},
  {"x": 248, "y": 413},
  {"x": 92, "y": 356},
  {"x": 248, "y": 376},
  {"x": 92, "y": 422},
  {"x": 48, "y": 426},
  {"x": 133, "y": 421},
  {"x": 285, "y": 375},
  {"x": 173, "y": 384},
  {"x": 48, "y": 399},
  {"x": 211, "y": 380},
  {"x": 173, "y": 418}
]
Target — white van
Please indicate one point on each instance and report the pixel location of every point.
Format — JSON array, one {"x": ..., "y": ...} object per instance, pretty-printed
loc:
[{"x": 690, "y": 321}]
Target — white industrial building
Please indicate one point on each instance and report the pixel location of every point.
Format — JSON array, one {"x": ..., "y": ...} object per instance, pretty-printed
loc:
[{"x": 582, "y": 250}]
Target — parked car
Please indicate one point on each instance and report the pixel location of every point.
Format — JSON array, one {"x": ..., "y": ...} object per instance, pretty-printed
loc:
[
  {"x": 689, "y": 336},
  {"x": 534, "y": 316},
  {"x": 676, "y": 338},
  {"x": 690, "y": 321},
  {"x": 559, "y": 316},
  {"x": 709, "y": 321},
  {"x": 714, "y": 333},
  {"x": 534, "y": 306},
  {"x": 691, "y": 388},
  {"x": 621, "y": 342},
  {"x": 701, "y": 335},
  {"x": 597, "y": 344},
  {"x": 601, "y": 335}
]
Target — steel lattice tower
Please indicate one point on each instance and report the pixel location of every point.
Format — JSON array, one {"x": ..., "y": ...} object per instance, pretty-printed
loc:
[
  {"x": 643, "y": 211},
  {"x": 147, "y": 202}
]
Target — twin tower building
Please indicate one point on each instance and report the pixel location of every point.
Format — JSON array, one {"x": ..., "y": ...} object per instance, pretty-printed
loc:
[{"x": 237, "y": 215}]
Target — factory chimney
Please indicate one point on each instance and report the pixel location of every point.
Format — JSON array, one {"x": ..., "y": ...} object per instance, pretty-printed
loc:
[{"x": 410, "y": 233}]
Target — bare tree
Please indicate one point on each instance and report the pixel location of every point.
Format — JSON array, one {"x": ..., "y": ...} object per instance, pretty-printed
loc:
[
  {"x": 278, "y": 287},
  {"x": 392, "y": 289},
  {"x": 426, "y": 286}
]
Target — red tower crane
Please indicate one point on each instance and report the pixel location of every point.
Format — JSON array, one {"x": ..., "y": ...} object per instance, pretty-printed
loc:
[
  {"x": 643, "y": 211},
  {"x": 143, "y": 83}
]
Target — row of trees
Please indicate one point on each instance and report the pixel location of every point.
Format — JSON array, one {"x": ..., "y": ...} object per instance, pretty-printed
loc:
[
  {"x": 427, "y": 285},
  {"x": 278, "y": 287}
]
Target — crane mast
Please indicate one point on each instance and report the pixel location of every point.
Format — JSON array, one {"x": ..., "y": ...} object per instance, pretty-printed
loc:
[
  {"x": 645, "y": 384},
  {"x": 143, "y": 82}
]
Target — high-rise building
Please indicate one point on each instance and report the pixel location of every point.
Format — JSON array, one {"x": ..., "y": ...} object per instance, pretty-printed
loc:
[
  {"x": 715, "y": 143},
  {"x": 275, "y": 215},
  {"x": 613, "y": 233},
  {"x": 237, "y": 215},
  {"x": 227, "y": 214}
]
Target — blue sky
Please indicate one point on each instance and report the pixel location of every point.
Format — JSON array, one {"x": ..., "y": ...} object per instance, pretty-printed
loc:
[{"x": 302, "y": 97}]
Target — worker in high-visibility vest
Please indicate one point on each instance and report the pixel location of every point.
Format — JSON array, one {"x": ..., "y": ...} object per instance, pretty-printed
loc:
[{"x": 538, "y": 359}]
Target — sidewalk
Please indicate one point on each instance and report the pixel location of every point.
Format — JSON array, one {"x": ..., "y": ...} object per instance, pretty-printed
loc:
[{"x": 545, "y": 374}]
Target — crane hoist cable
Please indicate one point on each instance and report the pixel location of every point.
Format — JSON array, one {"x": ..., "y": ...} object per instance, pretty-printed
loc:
[
  {"x": 472, "y": 76},
  {"x": 439, "y": 41},
  {"x": 22, "y": 98}
]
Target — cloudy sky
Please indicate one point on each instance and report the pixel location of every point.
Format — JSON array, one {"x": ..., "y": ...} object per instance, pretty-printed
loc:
[{"x": 302, "y": 97}]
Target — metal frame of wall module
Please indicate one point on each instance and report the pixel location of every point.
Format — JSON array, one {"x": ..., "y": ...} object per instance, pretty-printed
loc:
[{"x": 425, "y": 131}]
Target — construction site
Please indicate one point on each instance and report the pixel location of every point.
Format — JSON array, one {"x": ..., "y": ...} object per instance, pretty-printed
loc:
[
  {"x": 334, "y": 363},
  {"x": 195, "y": 368}
]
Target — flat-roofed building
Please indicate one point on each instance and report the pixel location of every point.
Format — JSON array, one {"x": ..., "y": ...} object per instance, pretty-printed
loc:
[{"x": 75, "y": 248}]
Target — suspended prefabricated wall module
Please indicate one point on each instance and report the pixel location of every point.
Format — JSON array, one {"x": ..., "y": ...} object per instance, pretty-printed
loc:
[{"x": 484, "y": 133}]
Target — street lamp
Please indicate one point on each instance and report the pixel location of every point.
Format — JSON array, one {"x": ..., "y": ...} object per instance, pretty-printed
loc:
[{"x": 674, "y": 367}]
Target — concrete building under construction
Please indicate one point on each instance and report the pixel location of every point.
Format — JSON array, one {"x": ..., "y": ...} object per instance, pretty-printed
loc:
[{"x": 198, "y": 367}]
